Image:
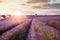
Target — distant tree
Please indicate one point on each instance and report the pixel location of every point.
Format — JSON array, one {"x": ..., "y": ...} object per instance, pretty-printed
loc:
[
  {"x": 36, "y": 14},
  {"x": 4, "y": 16}
]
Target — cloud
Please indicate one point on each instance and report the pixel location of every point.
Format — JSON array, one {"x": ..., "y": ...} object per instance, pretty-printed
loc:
[
  {"x": 37, "y": 1},
  {"x": 15, "y": 1},
  {"x": 36, "y": 7}
]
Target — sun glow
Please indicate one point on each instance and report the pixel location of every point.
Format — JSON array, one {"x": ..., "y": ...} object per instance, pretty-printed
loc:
[{"x": 17, "y": 13}]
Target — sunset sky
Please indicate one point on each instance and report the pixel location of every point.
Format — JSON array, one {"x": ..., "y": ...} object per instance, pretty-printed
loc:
[
  {"x": 33, "y": 6},
  {"x": 30, "y": 1}
]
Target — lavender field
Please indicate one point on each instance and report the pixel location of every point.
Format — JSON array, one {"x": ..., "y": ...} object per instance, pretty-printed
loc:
[{"x": 30, "y": 28}]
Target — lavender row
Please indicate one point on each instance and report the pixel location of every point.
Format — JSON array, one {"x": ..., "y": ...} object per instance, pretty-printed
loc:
[
  {"x": 32, "y": 33},
  {"x": 9, "y": 24},
  {"x": 17, "y": 33},
  {"x": 45, "y": 32}
]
